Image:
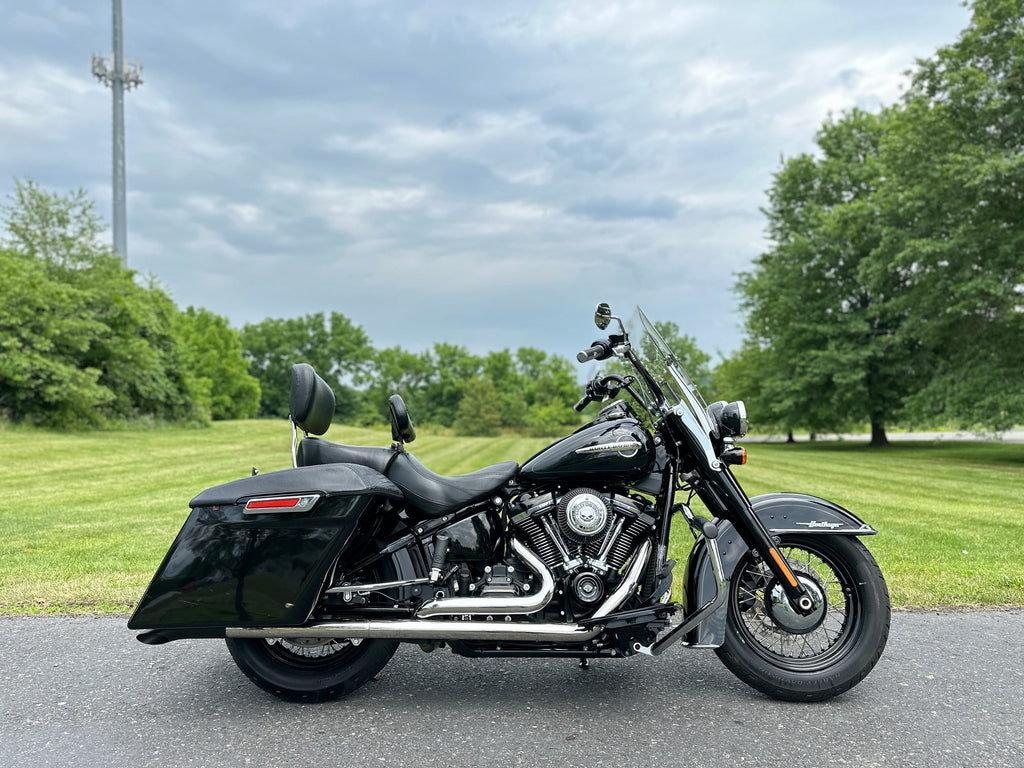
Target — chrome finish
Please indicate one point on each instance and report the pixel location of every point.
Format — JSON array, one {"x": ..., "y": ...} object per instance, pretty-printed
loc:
[
  {"x": 360, "y": 588},
  {"x": 721, "y": 593},
  {"x": 586, "y": 514},
  {"x": 781, "y": 611},
  {"x": 304, "y": 502},
  {"x": 628, "y": 448},
  {"x": 418, "y": 629},
  {"x": 414, "y": 629},
  {"x": 454, "y": 606},
  {"x": 295, "y": 444},
  {"x": 629, "y": 582}
]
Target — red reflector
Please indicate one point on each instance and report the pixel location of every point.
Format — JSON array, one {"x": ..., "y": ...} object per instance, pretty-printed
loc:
[{"x": 272, "y": 503}]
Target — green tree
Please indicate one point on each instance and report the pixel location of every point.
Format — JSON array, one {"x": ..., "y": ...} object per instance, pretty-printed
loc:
[
  {"x": 479, "y": 411},
  {"x": 338, "y": 349},
  {"x": 954, "y": 233},
  {"x": 838, "y": 353},
  {"x": 213, "y": 354},
  {"x": 92, "y": 317},
  {"x": 43, "y": 335}
]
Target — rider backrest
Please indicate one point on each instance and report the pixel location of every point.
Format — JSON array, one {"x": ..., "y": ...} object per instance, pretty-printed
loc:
[
  {"x": 311, "y": 402},
  {"x": 402, "y": 430}
]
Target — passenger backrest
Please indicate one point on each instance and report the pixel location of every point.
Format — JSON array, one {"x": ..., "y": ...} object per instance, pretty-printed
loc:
[{"x": 311, "y": 402}]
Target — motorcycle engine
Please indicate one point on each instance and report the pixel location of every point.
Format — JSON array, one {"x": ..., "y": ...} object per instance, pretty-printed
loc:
[{"x": 584, "y": 536}]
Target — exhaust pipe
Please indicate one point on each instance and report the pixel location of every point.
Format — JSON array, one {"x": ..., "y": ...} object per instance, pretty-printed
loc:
[
  {"x": 458, "y": 606},
  {"x": 418, "y": 629}
]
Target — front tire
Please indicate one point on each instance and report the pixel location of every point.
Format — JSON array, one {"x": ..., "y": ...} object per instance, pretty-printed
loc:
[
  {"x": 310, "y": 670},
  {"x": 797, "y": 658}
]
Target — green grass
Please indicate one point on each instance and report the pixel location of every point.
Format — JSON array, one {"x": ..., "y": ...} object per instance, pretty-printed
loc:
[{"x": 86, "y": 518}]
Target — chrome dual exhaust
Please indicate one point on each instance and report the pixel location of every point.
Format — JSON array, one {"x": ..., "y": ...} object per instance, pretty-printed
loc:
[{"x": 490, "y": 629}]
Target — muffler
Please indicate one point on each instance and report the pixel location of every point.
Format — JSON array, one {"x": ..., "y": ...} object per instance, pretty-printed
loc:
[{"x": 419, "y": 629}]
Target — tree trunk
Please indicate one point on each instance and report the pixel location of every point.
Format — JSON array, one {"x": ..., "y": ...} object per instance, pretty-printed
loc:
[
  {"x": 878, "y": 438},
  {"x": 789, "y": 437}
]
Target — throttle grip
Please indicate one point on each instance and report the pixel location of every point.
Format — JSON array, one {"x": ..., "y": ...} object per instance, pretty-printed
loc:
[{"x": 590, "y": 354}]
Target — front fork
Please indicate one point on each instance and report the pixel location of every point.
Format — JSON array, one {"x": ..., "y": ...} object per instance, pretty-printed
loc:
[{"x": 724, "y": 497}]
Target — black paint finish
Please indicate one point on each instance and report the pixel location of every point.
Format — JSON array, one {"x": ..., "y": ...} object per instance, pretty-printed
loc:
[
  {"x": 561, "y": 461},
  {"x": 229, "y": 568}
]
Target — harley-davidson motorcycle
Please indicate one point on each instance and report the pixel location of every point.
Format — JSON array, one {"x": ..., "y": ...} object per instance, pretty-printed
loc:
[{"x": 315, "y": 574}]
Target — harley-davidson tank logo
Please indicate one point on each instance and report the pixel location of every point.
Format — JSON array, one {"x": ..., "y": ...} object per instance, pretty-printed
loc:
[
  {"x": 628, "y": 448},
  {"x": 820, "y": 524}
]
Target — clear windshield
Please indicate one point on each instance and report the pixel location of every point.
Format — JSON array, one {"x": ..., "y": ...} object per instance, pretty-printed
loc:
[{"x": 675, "y": 383}]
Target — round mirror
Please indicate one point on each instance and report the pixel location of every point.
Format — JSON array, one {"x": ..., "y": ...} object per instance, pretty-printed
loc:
[{"x": 603, "y": 315}]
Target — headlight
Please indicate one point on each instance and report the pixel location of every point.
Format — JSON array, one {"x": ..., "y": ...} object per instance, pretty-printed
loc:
[{"x": 730, "y": 417}]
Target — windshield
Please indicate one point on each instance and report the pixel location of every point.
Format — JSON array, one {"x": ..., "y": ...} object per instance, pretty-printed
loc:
[{"x": 676, "y": 385}]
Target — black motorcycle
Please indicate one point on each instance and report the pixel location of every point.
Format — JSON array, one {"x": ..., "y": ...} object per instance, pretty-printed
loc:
[{"x": 315, "y": 574}]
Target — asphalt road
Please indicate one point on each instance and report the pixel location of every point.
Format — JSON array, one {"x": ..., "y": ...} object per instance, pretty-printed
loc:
[{"x": 949, "y": 691}]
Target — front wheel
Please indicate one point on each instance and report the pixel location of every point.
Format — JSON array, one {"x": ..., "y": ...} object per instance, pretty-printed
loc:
[{"x": 807, "y": 658}]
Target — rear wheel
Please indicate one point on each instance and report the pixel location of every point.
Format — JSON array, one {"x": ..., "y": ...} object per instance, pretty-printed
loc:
[
  {"x": 310, "y": 669},
  {"x": 807, "y": 658}
]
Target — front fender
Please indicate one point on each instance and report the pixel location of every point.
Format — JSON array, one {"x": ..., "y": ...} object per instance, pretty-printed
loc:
[{"x": 780, "y": 513}]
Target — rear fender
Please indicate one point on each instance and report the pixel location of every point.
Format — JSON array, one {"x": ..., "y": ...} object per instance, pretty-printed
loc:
[
  {"x": 781, "y": 513},
  {"x": 263, "y": 566}
]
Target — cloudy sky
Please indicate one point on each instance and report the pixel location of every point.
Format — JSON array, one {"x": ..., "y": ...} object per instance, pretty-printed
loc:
[{"x": 481, "y": 173}]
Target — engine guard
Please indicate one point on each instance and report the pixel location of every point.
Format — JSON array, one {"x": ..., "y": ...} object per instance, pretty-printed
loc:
[{"x": 780, "y": 513}]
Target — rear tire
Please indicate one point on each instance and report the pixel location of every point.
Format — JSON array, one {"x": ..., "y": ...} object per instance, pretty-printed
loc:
[
  {"x": 794, "y": 659},
  {"x": 303, "y": 670}
]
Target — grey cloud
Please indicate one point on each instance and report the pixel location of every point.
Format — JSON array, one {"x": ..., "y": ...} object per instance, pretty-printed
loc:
[{"x": 621, "y": 209}]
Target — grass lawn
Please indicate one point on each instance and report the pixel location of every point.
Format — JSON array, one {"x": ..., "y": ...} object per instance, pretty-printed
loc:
[{"x": 86, "y": 518}]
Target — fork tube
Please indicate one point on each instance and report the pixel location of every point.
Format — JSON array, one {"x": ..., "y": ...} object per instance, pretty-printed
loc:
[
  {"x": 668, "y": 493},
  {"x": 724, "y": 496}
]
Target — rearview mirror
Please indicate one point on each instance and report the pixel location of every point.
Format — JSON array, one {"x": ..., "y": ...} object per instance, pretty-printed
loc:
[{"x": 603, "y": 315}]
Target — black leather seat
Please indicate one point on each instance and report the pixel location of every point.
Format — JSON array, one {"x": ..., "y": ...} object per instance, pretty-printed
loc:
[
  {"x": 436, "y": 495},
  {"x": 426, "y": 492},
  {"x": 313, "y": 451}
]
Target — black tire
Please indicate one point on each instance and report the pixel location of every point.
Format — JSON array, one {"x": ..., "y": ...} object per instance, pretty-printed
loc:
[
  {"x": 318, "y": 672},
  {"x": 808, "y": 663}
]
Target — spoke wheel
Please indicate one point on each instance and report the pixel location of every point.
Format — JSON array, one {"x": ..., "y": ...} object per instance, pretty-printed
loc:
[
  {"x": 807, "y": 658},
  {"x": 312, "y": 669}
]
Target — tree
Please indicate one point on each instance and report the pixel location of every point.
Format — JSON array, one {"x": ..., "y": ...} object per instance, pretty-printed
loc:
[
  {"x": 338, "y": 349},
  {"x": 479, "y": 411},
  {"x": 213, "y": 354},
  {"x": 81, "y": 341},
  {"x": 838, "y": 354},
  {"x": 954, "y": 233}
]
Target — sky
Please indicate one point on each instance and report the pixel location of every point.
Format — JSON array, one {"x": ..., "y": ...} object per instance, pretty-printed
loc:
[{"x": 478, "y": 173}]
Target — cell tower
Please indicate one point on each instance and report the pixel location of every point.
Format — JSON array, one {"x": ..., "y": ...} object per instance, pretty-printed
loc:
[{"x": 120, "y": 78}]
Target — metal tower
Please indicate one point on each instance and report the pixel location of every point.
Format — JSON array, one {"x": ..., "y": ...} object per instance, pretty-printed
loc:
[{"x": 120, "y": 79}]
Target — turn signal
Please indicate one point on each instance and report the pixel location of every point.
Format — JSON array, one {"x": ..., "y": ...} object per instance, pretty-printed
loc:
[{"x": 735, "y": 455}]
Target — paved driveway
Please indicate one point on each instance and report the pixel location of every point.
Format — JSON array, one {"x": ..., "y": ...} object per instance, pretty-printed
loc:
[{"x": 83, "y": 692}]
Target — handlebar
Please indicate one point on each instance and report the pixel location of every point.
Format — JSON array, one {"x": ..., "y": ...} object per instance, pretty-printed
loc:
[
  {"x": 590, "y": 354},
  {"x": 599, "y": 350}
]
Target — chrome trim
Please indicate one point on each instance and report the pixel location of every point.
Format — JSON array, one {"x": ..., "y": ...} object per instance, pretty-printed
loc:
[
  {"x": 457, "y": 606},
  {"x": 295, "y": 443},
  {"x": 629, "y": 582},
  {"x": 629, "y": 448},
  {"x": 301, "y": 504},
  {"x": 414, "y": 629},
  {"x": 360, "y": 588}
]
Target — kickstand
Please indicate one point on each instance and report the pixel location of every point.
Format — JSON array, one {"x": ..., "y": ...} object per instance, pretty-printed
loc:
[{"x": 584, "y": 662}]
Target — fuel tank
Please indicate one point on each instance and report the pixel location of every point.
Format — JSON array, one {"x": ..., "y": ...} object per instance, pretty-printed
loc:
[{"x": 603, "y": 451}]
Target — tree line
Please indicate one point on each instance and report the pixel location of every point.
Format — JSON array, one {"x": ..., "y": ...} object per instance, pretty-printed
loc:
[
  {"x": 84, "y": 343},
  {"x": 893, "y": 289},
  {"x": 892, "y": 292}
]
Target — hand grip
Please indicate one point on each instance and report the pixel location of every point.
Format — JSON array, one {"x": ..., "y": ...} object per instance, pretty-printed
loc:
[
  {"x": 584, "y": 401},
  {"x": 590, "y": 354}
]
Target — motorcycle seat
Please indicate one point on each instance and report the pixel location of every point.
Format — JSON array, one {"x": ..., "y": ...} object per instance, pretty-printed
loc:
[
  {"x": 426, "y": 493},
  {"x": 435, "y": 495},
  {"x": 313, "y": 450}
]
